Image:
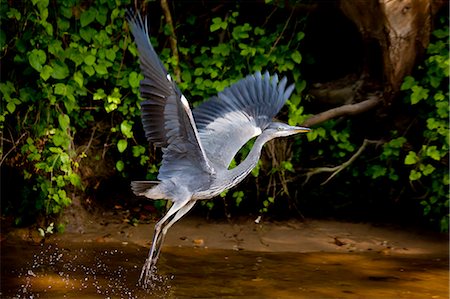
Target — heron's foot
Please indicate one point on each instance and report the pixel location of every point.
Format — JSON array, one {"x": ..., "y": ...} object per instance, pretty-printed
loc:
[{"x": 148, "y": 274}]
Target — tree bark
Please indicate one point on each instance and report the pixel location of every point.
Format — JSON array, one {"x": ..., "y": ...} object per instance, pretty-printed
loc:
[{"x": 401, "y": 28}]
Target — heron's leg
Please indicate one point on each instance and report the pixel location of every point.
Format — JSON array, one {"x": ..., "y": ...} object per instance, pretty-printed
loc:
[
  {"x": 156, "y": 243},
  {"x": 181, "y": 212}
]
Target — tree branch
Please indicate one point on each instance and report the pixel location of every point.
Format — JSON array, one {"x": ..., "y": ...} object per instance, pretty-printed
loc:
[
  {"x": 350, "y": 109},
  {"x": 335, "y": 170},
  {"x": 14, "y": 146},
  {"x": 172, "y": 39}
]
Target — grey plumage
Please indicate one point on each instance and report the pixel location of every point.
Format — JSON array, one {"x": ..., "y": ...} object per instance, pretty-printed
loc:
[{"x": 199, "y": 145}]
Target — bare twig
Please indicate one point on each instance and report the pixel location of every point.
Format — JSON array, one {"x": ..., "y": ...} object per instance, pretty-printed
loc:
[
  {"x": 172, "y": 39},
  {"x": 281, "y": 34},
  {"x": 350, "y": 109},
  {"x": 15, "y": 144},
  {"x": 335, "y": 170}
]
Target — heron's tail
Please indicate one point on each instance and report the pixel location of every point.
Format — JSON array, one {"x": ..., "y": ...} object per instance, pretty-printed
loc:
[{"x": 139, "y": 187}]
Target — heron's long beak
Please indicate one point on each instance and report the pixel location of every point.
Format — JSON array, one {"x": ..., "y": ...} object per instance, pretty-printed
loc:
[{"x": 301, "y": 129}]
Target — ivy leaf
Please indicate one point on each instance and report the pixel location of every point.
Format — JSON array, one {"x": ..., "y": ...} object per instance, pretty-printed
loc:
[
  {"x": 87, "y": 33},
  {"x": 101, "y": 16},
  {"x": 64, "y": 121},
  {"x": 46, "y": 72},
  {"x": 377, "y": 171},
  {"x": 411, "y": 158},
  {"x": 427, "y": 169},
  {"x": 101, "y": 69},
  {"x": 419, "y": 93},
  {"x": 88, "y": 69},
  {"x": 414, "y": 175},
  {"x": 433, "y": 153},
  {"x": 110, "y": 55},
  {"x": 296, "y": 57},
  {"x": 122, "y": 145},
  {"x": 88, "y": 16},
  {"x": 408, "y": 83},
  {"x": 126, "y": 128},
  {"x": 60, "y": 70},
  {"x": 11, "y": 107},
  {"x": 99, "y": 94},
  {"x": 138, "y": 150},
  {"x": 37, "y": 58},
  {"x": 60, "y": 89},
  {"x": 120, "y": 165},
  {"x": 133, "y": 79},
  {"x": 218, "y": 24},
  {"x": 75, "y": 179},
  {"x": 78, "y": 77},
  {"x": 89, "y": 59}
]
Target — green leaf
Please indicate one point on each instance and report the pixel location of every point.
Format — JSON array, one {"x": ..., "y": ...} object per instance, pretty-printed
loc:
[
  {"x": 59, "y": 139},
  {"x": 110, "y": 55},
  {"x": 218, "y": 24},
  {"x": 122, "y": 145},
  {"x": 60, "y": 70},
  {"x": 60, "y": 89},
  {"x": 408, "y": 83},
  {"x": 378, "y": 171},
  {"x": 89, "y": 59},
  {"x": 75, "y": 179},
  {"x": 46, "y": 72},
  {"x": 14, "y": 14},
  {"x": 427, "y": 169},
  {"x": 222, "y": 49},
  {"x": 300, "y": 35},
  {"x": 133, "y": 79},
  {"x": 99, "y": 94},
  {"x": 397, "y": 142},
  {"x": 440, "y": 33},
  {"x": 101, "y": 16},
  {"x": 87, "y": 33},
  {"x": 101, "y": 69},
  {"x": 64, "y": 121},
  {"x": 88, "y": 16},
  {"x": 120, "y": 165},
  {"x": 138, "y": 150},
  {"x": 433, "y": 153},
  {"x": 296, "y": 57},
  {"x": 89, "y": 70},
  {"x": 411, "y": 158},
  {"x": 419, "y": 93},
  {"x": 11, "y": 107},
  {"x": 78, "y": 77},
  {"x": 414, "y": 175},
  {"x": 37, "y": 58},
  {"x": 126, "y": 128}
]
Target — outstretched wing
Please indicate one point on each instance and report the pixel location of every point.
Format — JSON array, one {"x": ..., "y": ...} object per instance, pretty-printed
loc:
[
  {"x": 240, "y": 112},
  {"x": 166, "y": 116}
]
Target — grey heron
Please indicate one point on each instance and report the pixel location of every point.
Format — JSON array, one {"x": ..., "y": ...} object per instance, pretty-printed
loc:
[{"x": 198, "y": 145}]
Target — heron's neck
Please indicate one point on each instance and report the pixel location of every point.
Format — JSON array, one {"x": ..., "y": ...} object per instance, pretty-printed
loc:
[{"x": 237, "y": 174}]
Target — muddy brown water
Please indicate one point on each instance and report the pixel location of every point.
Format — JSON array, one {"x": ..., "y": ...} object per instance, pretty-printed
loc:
[{"x": 111, "y": 270}]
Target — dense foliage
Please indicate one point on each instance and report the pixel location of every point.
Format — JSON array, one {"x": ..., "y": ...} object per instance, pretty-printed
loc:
[{"x": 70, "y": 107}]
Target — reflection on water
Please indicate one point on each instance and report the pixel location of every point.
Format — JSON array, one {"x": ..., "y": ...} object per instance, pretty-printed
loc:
[{"x": 109, "y": 270}]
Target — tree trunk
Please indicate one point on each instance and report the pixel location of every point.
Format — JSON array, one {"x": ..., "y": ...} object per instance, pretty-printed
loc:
[
  {"x": 403, "y": 32},
  {"x": 398, "y": 31}
]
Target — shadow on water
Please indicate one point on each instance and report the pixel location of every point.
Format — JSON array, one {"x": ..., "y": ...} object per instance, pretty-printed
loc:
[{"x": 111, "y": 270}]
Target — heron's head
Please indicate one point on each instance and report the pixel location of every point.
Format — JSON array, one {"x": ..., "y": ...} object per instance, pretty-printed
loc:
[{"x": 278, "y": 129}]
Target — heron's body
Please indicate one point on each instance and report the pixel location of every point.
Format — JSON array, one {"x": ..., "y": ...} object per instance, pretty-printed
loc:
[{"x": 199, "y": 145}]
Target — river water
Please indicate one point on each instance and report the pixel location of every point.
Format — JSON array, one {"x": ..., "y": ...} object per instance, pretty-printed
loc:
[{"x": 111, "y": 270}]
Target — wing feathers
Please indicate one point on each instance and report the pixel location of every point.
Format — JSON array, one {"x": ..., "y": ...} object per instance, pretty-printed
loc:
[
  {"x": 166, "y": 116},
  {"x": 226, "y": 122}
]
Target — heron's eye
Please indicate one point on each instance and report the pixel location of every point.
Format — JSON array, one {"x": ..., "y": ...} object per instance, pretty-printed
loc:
[{"x": 280, "y": 129}]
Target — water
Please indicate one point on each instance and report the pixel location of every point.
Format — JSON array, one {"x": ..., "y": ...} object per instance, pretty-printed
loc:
[{"x": 111, "y": 270}]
